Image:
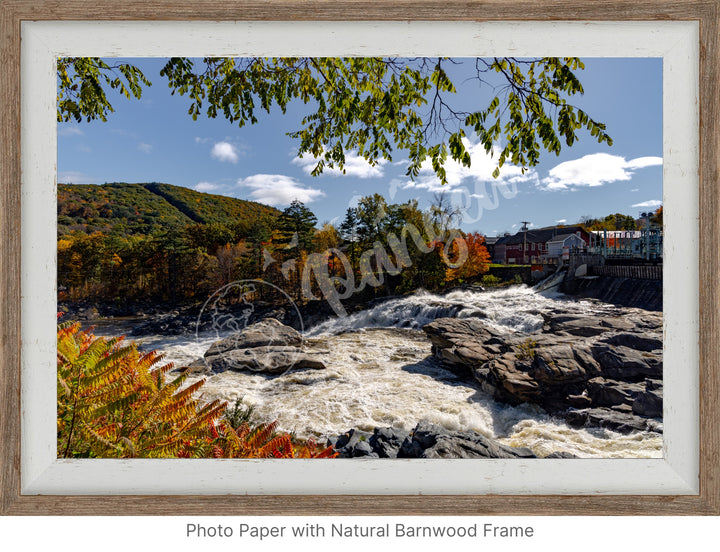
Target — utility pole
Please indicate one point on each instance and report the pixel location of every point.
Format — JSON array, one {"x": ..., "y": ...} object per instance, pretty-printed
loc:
[
  {"x": 646, "y": 216},
  {"x": 525, "y": 229}
]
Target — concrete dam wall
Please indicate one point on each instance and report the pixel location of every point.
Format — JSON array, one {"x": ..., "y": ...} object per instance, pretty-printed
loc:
[{"x": 628, "y": 292}]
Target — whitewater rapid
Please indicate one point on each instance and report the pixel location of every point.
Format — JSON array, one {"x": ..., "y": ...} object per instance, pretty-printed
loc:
[
  {"x": 380, "y": 373},
  {"x": 516, "y": 308}
]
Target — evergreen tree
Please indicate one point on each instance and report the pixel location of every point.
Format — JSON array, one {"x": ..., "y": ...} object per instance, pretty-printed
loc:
[
  {"x": 296, "y": 226},
  {"x": 258, "y": 238},
  {"x": 349, "y": 234},
  {"x": 295, "y": 231}
]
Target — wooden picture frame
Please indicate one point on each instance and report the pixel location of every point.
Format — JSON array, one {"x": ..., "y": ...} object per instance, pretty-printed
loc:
[{"x": 706, "y": 13}]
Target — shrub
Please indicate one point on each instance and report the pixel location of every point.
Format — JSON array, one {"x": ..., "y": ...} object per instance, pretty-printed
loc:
[
  {"x": 114, "y": 402},
  {"x": 526, "y": 350}
]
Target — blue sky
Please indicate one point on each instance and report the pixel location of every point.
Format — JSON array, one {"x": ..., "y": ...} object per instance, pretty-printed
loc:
[{"x": 154, "y": 140}]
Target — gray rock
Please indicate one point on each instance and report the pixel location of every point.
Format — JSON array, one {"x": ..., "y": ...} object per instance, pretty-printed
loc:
[
  {"x": 363, "y": 448},
  {"x": 579, "y": 401},
  {"x": 585, "y": 326},
  {"x": 623, "y": 363},
  {"x": 563, "y": 363},
  {"x": 386, "y": 442},
  {"x": 622, "y": 422},
  {"x": 604, "y": 392},
  {"x": 596, "y": 363},
  {"x": 267, "y": 347},
  {"x": 346, "y": 444},
  {"x": 561, "y": 455},
  {"x": 425, "y": 441},
  {"x": 636, "y": 341},
  {"x": 197, "y": 367},
  {"x": 431, "y": 441},
  {"x": 269, "y": 360},
  {"x": 649, "y": 404},
  {"x": 268, "y": 332}
]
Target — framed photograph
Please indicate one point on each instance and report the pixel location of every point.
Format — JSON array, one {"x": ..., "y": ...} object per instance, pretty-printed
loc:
[{"x": 485, "y": 395}]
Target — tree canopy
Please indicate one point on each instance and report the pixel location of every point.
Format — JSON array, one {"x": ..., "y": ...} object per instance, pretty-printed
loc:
[{"x": 375, "y": 106}]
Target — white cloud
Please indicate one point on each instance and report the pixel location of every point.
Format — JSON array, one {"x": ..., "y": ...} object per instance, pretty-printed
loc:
[
  {"x": 355, "y": 165},
  {"x": 200, "y": 140},
  {"x": 482, "y": 165},
  {"x": 642, "y": 162},
  {"x": 70, "y": 131},
  {"x": 278, "y": 190},
  {"x": 650, "y": 203},
  {"x": 595, "y": 170},
  {"x": 145, "y": 148},
  {"x": 225, "y": 151},
  {"x": 561, "y": 221},
  {"x": 207, "y": 187},
  {"x": 75, "y": 177}
]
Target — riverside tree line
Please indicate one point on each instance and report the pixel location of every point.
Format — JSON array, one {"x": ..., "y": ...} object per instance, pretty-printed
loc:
[{"x": 186, "y": 263}]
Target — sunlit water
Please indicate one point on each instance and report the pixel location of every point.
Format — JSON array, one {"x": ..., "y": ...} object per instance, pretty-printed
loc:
[
  {"x": 380, "y": 374},
  {"x": 513, "y": 309}
]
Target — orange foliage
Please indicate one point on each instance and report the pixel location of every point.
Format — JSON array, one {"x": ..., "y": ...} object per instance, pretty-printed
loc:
[
  {"x": 478, "y": 259},
  {"x": 114, "y": 402}
]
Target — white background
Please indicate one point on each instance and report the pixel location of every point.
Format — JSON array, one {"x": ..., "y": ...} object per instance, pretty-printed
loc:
[{"x": 580, "y": 534}]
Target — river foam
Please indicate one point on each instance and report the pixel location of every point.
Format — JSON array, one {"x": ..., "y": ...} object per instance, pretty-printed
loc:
[
  {"x": 380, "y": 373},
  {"x": 516, "y": 308}
]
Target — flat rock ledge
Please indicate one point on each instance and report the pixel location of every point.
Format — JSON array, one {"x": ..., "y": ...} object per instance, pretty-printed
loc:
[
  {"x": 426, "y": 440},
  {"x": 267, "y": 347},
  {"x": 593, "y": 370}
]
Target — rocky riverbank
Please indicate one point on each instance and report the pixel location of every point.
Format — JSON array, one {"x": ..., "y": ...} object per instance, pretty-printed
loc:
[
  {"x": 186, "y": 319},
  {"x": 267, "y": 347},
  {"x": 592, "y": 370},
  {"x": 426, "y": 440}
]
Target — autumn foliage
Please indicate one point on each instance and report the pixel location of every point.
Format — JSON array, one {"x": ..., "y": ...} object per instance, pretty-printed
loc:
[
  {"x": 115, "y": 402},
  {"x": 478, "y": 258}
]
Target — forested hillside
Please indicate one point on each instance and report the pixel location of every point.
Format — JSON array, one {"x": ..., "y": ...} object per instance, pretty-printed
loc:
[{"x": 125, "y": 209}]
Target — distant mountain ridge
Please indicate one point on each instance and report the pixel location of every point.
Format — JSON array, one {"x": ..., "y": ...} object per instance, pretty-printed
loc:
[{"x": 144, "y": 208}]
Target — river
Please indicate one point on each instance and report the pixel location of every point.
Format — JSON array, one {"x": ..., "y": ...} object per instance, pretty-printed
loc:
[{"x": 380, "y": 373}]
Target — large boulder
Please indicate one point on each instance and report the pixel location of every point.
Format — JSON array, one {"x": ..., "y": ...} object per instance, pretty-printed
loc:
[
  {"x": 649, "y": 402},
  {"x": 627, "y": 364},
  {"x": 619, "y": 420},
  {"x": 432, "y": 441},
  {"x": 595, "y": 363},
  {"x": 585, "y": 326},
  {"x": 269, "y": 360},
  {"x": 268, "y": 332},
  {"x": 464, "y": 341},
  {"x": 268, "y": 347},
  {"x": 604, "y": 392}
]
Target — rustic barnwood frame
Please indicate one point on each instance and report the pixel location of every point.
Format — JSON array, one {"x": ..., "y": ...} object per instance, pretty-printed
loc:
[{"x": 705, "y": 12}]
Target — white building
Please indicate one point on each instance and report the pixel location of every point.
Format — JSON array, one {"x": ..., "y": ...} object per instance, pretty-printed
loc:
[{"x": 564, "y": 243}]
